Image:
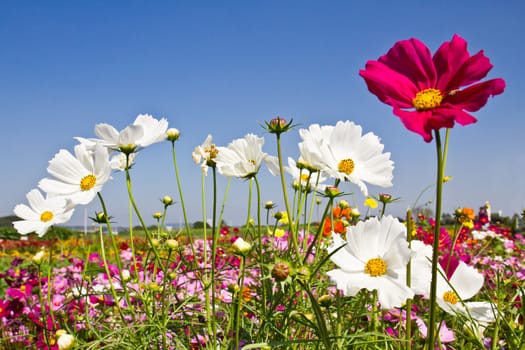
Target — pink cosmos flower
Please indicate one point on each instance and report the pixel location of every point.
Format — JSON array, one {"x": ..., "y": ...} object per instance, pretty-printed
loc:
[{"x": 432, "y": 92}]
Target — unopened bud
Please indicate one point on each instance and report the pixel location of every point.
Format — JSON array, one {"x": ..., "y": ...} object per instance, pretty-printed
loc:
[
  {"x": 167, "y": 200},
  {"x": 281, "y": 271},
  {"x": 241, "y": 247},
  {"x": 172, "y": 243},
  {"x": 172, "y": 134}
]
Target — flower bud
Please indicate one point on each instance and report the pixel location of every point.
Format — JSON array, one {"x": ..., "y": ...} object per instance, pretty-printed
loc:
[
  {"x": 38, "y": 257},
  {"x": 157, "y": 215},
  {"x": 278, "y": 125},
  {"x": 233, "y": 288},
  {"x": 154, "y": 242},
  {"x": 343, "y": 204},
  {"x": 100, "y": 218},
  {"x": 241, "y": 247},
  {"x": 269, "y": 205},
  {"x": 281, "y": 271},
  {"x": 126, "y": 275},
  {"x": 332, "y": 191},
  {"x": 172, "y": 243},
  {"x": 65, "y": 341},
  {"x": 167, "y": 200},
  {"x": 385, "y": 197},
  {"x": 172, "y": 134},
  {"x": 326, "y": 300}
]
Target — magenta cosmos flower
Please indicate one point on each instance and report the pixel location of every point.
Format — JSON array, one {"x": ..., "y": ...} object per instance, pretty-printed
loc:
[{"x": 432, "y": 92}]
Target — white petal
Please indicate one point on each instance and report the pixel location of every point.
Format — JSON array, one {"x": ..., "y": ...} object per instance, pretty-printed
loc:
[
  {"x": 26, "y": 213},
  {"x": 107, "y": 133},
  {"x": 467, "y": 281}
]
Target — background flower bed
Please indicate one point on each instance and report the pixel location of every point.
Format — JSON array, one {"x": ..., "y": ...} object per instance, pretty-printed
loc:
[{"x": 494, "y": 249}]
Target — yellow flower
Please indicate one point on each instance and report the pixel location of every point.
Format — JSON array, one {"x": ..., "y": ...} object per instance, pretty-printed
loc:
[
  {"x": 279, "y": 233},
  {"x": 284, "y": 218},
  {"x": 371, "y": 203}
]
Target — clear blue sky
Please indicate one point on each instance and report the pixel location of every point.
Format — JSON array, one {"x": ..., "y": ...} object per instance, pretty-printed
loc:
[{"x": 221, "y": 67}]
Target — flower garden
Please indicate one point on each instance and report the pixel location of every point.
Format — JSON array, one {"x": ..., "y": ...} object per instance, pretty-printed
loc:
[{"x": 350, "y": 280}]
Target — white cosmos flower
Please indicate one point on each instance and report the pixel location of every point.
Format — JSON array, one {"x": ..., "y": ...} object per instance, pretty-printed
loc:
[
  {"x": 421, "y": 268},
  {"x": 144, "y": 131},
  {"x": 243, "y": 158},
  {"x": 464, "y": 283},
  {"x": 119, "y": 161},
  {"x": 205, "y": 154},
  {"x": 373, "y": 257},
  {"x": 309, "y": 180},
  {"x": 41, "y": 213},
  {"x": 80, "y": 177},
  {"x": 345, "y": 154},
  {"x": 154, "y": 130}
]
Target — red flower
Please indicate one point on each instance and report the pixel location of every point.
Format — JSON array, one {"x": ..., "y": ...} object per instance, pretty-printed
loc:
[{"x": 432, "y": 92}]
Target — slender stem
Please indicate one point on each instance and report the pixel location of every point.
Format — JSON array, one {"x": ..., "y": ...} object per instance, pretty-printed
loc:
[
  {"x": 214, "y": 255},
  {"x": 183, "y": 206},
  {"x": 239, "y": 302},
  {"x": 293, "y": 235},
  {"x": 108, "y": 273},
  {"x": 435, "y": 245},
  {"x": 50, "y": 284},
  {"x": 141, "y": 220},
  {"x": 260, "y": 247},
  {"x": 408, "y": 321},
  {"x": 42, "y": 305},
  {"x": 205, "y": 280},
  {"x": 248, "y": 215}
]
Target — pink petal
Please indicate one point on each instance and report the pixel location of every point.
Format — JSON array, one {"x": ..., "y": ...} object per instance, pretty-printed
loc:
[
  {"x": 388, "y": 84},
  {"x": 474, "y": 97},
  {"x": 455, "y": 66},
  {"x": 412, "y": 59},
  {"x": 415, "y": 121},
  {"x": 452, "y": 112}
]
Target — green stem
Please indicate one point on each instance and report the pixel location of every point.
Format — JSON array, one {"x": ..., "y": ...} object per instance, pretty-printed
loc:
[
  {"x": 435, "y": 245},
  {"x": 248, "y": 215},
  {"x": 141, "y": 220},
  {"x": 239, "y": 302},
  {"x": 205, "y": 280},
  {"x": 408, "y": 321},
  {"x": 260, "y": 247},
  {"x": 116, "y": 250},
  {"x": 108, "y": 274},
  {"x": 293, "y": 235},
  {"x": 42, "y": 305},
  {"x": 215, "y": 232},
  {"x": 183, "y": 206}
]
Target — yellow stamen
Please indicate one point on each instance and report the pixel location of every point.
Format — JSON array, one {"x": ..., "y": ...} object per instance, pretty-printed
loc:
[
  {"x": 46, "y": 216},
  {"x": 375, "y": 267},
  {"x": 450, "y": 297},
  {"x": 427, "y": 99},
  {"x": 346, "y": 166},
  {"x": 88, "y": 182}
]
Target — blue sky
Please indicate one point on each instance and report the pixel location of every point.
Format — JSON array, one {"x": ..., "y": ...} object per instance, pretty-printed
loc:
[{"x": 223, "y": 68}]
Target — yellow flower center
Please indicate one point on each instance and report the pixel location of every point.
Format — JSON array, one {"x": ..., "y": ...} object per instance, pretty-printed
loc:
[
  {"x": 304, "y": 177},
  {"x": 46, "y": 216},
  {"x": 346, "y": 166},
  {"x": 427, "y": 99},
  {"x": 212, "y": 151},
  {"x": 88, "y": 182},
  {"x": 450, "y": 297},
  {"x": 375, "y": 267}
]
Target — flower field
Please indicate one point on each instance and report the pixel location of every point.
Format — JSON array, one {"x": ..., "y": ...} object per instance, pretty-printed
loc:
[{"x": 349, "y": 280}]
